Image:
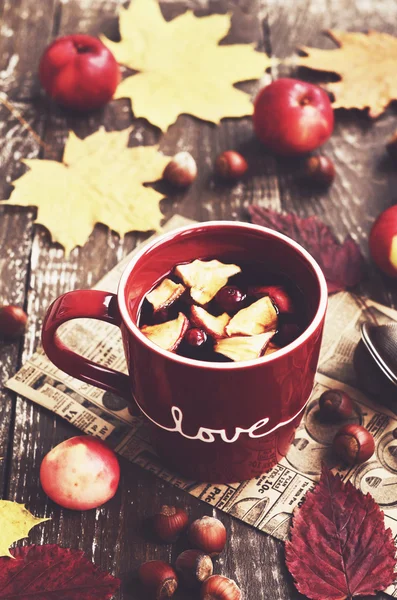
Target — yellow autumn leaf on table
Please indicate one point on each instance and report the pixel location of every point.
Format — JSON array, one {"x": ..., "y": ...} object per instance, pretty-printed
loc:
[
  {"x": 366, "y": 64},
  {"x": 182, "y": 69},
  {"x": 99, "y": 181},
  {"x": 15, "y": 523}
]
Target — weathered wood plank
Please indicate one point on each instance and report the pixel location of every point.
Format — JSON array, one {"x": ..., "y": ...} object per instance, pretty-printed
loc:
[
  {"x": 25, "y": 31},
  {"x": 15, "y": 247}
]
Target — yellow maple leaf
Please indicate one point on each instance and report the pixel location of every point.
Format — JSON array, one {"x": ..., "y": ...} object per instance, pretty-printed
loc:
[
  {"x": 15, "y": 523},
  {"x": 366, "y": 64},
  {"x": 99, "y": 181},
  {"x": 182, "y": 69}
]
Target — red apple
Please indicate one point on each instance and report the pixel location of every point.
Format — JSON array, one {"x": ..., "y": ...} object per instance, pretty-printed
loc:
[
  {"x": 79, "y": 72},
  {"x": 293, "y": 117},
  {"x": 80, "y": 473},
  {"x": 383, "y": 241}
]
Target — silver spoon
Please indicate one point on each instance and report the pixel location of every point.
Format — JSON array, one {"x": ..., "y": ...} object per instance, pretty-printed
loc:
[{"x": 381, "y": 342}]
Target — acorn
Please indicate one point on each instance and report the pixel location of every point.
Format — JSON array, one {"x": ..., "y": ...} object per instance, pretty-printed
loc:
[
  {"x": 353, "y": 444},
  {"x": 158, "y": 579},
  {"x": 220, "y": 588},
  {"x": 335, "y": 405},
  {"x": 193, "y": 567},
  {"x": 208, "y": 534},
  {"x": 181, "y": 171},
  {"x": 319, "y": 170},
  {"x": 170, "y": 522},
  {"x": 230, "y": 165},
  {"x": 12, "y": 321}
]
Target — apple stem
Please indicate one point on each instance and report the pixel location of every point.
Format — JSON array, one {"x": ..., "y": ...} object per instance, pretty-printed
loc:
[
  {"x": 82, "y": 49},
  {"x": 9, "y": 106}
]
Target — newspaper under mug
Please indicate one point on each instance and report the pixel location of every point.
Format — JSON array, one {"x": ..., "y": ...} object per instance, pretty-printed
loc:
[{"x": 210, "y": 421}]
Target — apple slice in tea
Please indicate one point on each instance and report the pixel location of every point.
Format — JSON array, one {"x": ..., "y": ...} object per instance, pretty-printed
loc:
[
  {"x": 205, "y": 278},
  {"x": 214, "y": 326},
  {"x": 167, "y": 335},
  {"x": 258, "y": 318},
  {"x": 240, "y": 348},
  {"x": 271, "y": 348},
  {"x": 277, "y": 294},
  {"x": 165, "y": 294}
]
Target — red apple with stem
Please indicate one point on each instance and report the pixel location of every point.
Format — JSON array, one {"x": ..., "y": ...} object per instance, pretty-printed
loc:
[
  {"x": 383, "y": 241},
  {"x": 79, "y": 72},
  {"x": 293, "y": 117}
]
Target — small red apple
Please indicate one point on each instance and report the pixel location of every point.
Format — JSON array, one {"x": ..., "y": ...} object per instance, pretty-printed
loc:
[
  {"x": 80, "y": 473},
  {"x": 292, "y": 116},
  {"x": 383, "y": 241},
  {"x": 79, "y": 72}
]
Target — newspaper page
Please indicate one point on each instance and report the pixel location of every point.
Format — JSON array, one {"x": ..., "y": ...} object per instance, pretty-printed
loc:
[{"x": 267, "y": 501}]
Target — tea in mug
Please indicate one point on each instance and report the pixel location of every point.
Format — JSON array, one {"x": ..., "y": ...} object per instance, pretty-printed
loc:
[{"x": 221, "y": 312}]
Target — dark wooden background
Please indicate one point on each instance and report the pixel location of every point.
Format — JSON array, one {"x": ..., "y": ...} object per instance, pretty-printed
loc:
[{"x": 33, "y": 271}]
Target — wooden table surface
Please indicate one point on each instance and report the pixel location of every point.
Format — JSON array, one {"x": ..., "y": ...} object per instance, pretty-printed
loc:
[{"x": 33, "y": 271}]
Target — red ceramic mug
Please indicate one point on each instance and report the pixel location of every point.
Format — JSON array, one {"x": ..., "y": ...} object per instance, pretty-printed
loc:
[{"x": 220, "y": 422}]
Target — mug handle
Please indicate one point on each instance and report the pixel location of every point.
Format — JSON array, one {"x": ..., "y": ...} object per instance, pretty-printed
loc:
[{"x": 78, "y": 304}]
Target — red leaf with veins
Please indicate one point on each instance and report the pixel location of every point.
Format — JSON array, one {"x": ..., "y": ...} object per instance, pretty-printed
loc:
[
  {"x": 339, "y": 545},
  {"x": 53, "y": 573},
  {"x": 342, "y": 264}
]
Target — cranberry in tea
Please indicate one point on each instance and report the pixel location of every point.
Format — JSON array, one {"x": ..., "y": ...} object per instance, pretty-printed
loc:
[{"x": 223, "y": 311}]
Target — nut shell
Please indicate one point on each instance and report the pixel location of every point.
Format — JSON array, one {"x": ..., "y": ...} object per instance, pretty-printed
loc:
[
  {"x": 220, "y": 588},
  {"x": 193, "y": 567},
  {"x": 208, "y": 534},
  {"x": 230, "y": 165},
  {"x": 158, "y": 579},
  {"x": 319, "y": 170},
  {"x": 335, "y": 405},
  {"x": 353, "y": 444},
  {"x": 169, "y": 523},
  {"x": 181, "y": 171},
  {"x": 13, "y": 321}
]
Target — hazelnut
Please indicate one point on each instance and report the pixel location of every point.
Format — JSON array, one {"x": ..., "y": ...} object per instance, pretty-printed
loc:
[
  {"x": 335, "y": 405},
  {"x": 319, "y": 170},
  {"x": 158, "y": 579},
  {"x": 208, "y": 534},
  {"x": 220, "y": 588},
  {"x": 169, "y": 523},
  {"x": 230, "y": 165},
  {"x": 353, "y": 444},
  {"x": 12, "y": 321},
  {"x": 181, "y": 171},
  {"x": 193, "y": 567}
]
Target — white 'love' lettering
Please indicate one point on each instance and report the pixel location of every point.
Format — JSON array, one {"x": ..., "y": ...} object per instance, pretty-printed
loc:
[{"x": 207, "y": 435}]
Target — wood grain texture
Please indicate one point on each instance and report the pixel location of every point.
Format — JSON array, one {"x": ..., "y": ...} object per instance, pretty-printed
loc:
[
  {"x": 34, "y": 271},
  {"x": 21, "y": 47}
]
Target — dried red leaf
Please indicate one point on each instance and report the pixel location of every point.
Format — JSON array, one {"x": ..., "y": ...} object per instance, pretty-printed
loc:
[
  {"x": 342, "y": 264},
  {"x": 339, "y": 545},
  {"x": 53, "y": 573}
]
